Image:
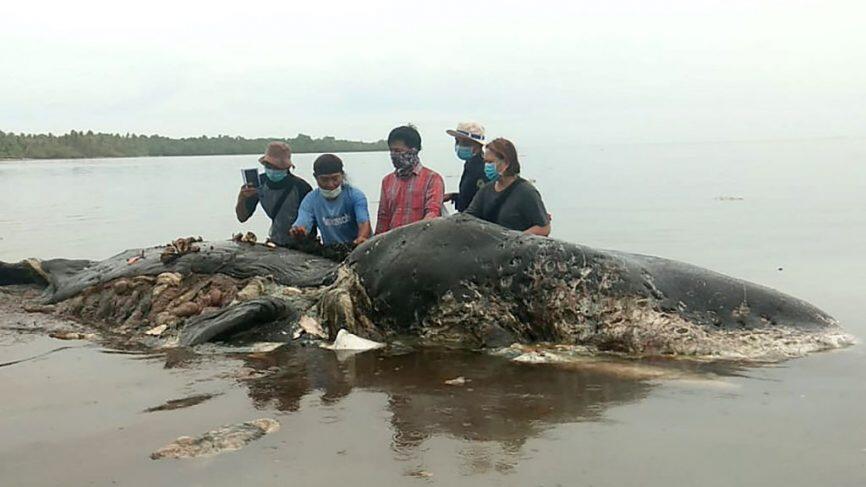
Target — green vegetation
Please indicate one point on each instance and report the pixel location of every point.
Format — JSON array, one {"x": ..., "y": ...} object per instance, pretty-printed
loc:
[{"x": 80, "y": 144}]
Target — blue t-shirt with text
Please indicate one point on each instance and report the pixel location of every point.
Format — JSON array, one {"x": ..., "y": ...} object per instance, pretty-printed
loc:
[{"x": 338, "y": 219}]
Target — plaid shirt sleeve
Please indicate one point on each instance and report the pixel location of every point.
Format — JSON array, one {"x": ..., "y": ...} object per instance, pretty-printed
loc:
[
  {"x": 434, "y": 194},
  {"x": 383, "y": 216}
]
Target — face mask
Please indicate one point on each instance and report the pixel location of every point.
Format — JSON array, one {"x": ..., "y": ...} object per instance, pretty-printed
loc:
[
  {"x": 405, "y": 162},
  {"x": 464, "y": 153},
  {"x": 276, "y": 175},
  {"x": 331, "y": 193},
  {"x": 490, "y": 171}
]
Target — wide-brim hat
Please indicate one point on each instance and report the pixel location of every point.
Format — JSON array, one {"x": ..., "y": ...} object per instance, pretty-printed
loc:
[
  {"x": 278, "y": 155},
  {"x": 471, "y": 131}
]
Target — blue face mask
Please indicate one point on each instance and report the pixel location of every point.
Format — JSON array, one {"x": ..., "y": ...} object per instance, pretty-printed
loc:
[
  {"x": 464, "y": 153},
  {"x": 490, "y": 171},
  {"x": 276, "y": 175}
]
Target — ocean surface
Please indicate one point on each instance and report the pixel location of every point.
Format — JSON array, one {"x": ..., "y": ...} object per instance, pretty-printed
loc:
[{"x": 787, "y": 214}]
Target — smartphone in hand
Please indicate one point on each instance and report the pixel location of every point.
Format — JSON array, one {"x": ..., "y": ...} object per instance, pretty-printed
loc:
[{"x": 251, "y": 177}]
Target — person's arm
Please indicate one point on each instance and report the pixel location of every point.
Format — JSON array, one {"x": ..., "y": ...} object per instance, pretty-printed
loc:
[
  {"x": 383, "y": 216},
  {"x": 433, "y": 198},
  {"x": 362, "y": 215},
  {"x": 306, "y": 190},
  {"x": 537, "y": 213},
  {"x": 364, "y": 230},
  {"x": 537, "y": 230},
  {"x": 306, "y": 219},
  {"x": 476, "y": 207},
  {"x": 248, "y": 198}
]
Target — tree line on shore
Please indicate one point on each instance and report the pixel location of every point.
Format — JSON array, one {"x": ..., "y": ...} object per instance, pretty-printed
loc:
[{"x": 77, "y": 144}]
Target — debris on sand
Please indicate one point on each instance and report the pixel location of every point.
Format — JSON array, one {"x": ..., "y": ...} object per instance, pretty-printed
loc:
[
  {"x": 459, "y": 381},
  {"x": 265, "y": 347},
  {"x": 180, "y": 403},
  {"x": 348, "y": 341},
  {"x": 223, "y": 439},
  {"x": 540, "y": 357},
  {"x": 419, "y": 474},
  {"x": 312, "y": 327},
  {"x": 72, "y": 335}
]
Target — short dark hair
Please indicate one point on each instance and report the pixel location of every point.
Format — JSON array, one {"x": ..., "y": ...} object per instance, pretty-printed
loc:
[
  {"x": 505, "y": 150},
  {"x": 407, "y": 134},
  {"x": 327, "y": 164}
]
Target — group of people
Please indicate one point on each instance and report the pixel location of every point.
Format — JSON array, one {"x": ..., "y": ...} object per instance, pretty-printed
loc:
[{"x": 490, "y": 188}]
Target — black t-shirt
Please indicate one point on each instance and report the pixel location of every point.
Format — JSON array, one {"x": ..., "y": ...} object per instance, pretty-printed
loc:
[
  {"x": 471, "y": 181},
  {"x": 521, "y": 208}
]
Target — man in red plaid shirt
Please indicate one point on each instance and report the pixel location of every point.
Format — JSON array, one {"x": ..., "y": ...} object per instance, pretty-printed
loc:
[{"x": 412, "y": 192}]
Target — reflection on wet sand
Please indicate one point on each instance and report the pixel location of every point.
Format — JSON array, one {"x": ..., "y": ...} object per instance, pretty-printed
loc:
[{"x": 500, "y": 401}]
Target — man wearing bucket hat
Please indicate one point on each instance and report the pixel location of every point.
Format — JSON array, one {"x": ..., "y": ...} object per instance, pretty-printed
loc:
[
  {"x": 468, "y": 142},
  {"x": 279, "y": 192}
]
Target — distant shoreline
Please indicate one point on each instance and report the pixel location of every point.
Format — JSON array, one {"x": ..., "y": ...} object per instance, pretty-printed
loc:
[
  {"x": 90, "y": 145},
  {"x": 255, "y": 154}
]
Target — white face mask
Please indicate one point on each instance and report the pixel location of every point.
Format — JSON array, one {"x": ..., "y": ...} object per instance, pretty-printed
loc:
[{"x": 331, "y": 193}]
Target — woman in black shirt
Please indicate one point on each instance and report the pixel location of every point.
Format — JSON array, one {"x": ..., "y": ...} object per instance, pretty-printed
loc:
[{"x": 509, "y": 200}]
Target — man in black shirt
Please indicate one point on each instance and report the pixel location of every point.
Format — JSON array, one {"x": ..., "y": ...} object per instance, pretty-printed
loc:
[{"x": 468, "y": 141}]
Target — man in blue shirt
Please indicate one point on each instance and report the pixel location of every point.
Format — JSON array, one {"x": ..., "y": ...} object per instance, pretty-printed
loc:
[{"x": 337, "y": 209}]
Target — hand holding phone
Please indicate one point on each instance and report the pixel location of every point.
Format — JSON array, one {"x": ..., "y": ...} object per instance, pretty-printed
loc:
[
  {"x": 247, "y": 191},
  {"x": 251, "y": 177}
]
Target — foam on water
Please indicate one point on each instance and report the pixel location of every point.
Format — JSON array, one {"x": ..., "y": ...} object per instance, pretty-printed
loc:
[{"x": 761, "y": 346}]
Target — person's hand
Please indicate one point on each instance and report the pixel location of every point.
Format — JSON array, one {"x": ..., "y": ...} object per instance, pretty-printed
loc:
[
  {"x": 298, "y": 232},
  {"x": 449, "y": 197},
  {"x": 360, "y": 240},
  {"x": 247, "y": 191}
]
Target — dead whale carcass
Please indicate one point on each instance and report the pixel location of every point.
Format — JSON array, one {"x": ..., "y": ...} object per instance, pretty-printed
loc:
[
  {"x": 453, "y": 280},
  {"x": 462, "y": 280}
]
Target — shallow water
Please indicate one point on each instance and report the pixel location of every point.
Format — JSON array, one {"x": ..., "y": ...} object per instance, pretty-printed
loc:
[{"x": 76, "y": 416}]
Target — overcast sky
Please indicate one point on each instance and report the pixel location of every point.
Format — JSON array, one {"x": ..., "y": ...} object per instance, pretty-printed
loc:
[{"x": 580, "y": 71}]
